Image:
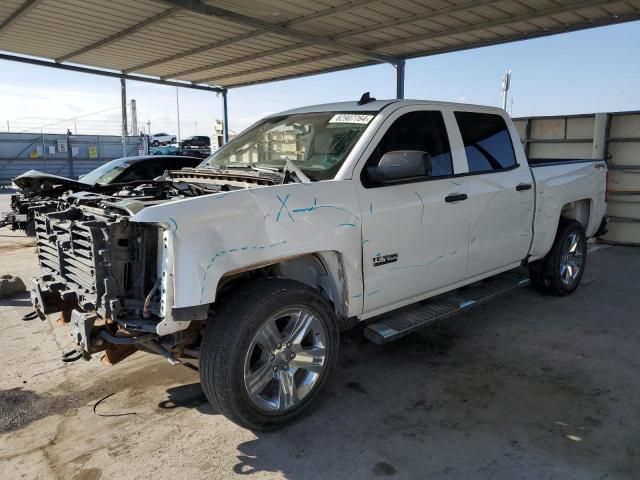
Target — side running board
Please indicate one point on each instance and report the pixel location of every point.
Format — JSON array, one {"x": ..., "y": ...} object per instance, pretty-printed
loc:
[{"x": 392, "y": 326}]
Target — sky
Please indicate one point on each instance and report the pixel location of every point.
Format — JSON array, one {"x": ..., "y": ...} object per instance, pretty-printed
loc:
[{"x": 589, "y": 71}]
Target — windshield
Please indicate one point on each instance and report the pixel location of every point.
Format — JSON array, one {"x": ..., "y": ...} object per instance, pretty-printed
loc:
[
  {"x": 106, "y": 173},
  {"x": 317, "y": 143}
]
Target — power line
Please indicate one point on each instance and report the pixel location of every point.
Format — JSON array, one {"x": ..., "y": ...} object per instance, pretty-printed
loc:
[{"x": 70, "y": 119}]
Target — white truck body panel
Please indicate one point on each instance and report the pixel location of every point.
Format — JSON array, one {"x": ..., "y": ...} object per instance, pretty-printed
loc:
[
  {"x": 558, "y": 186},
  {"x": 217, "y": 234}
]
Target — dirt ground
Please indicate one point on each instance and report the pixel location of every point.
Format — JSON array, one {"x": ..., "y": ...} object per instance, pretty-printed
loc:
[{"x": 526, "y": 387}]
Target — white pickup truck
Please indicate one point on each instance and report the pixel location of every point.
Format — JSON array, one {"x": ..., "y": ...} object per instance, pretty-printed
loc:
[{"x": 307, "y": 223}]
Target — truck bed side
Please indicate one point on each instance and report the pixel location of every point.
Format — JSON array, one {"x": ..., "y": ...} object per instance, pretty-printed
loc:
[{"x": 570, "y": 188}]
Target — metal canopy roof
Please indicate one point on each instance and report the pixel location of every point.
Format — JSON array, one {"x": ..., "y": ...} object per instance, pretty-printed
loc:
[{"x": 230, "y": 43}]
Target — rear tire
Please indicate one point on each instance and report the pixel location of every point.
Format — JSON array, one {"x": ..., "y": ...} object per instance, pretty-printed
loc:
[
  {"x": 560, "y": 272},
  {"x": 261, "y": 364}
]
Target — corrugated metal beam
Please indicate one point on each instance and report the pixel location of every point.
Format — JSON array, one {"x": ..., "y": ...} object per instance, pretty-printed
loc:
[
  {"x": 106, "y": 73},
  {"x": 439, "y": 12},
  {"x": 499, "y": 41},
  {"x": 469, "y": 4},
  {"x": 345, "y": 7},
  {"x": 539, "y": 13},
  {"x": 294, "y": 76},
  {"x": 21, "y": 11},
  {"x": 235, "y": 61},
  {"x": 254, "y": 33},
  {"x": 467, "y": 28},
  {"x": 121, "y": 34},
  {"x": 565, "y": 28},
  {"x": 268, "y": 68},
  {"x": 198, "y": 7},
  {"x": 194, "y": 51}
]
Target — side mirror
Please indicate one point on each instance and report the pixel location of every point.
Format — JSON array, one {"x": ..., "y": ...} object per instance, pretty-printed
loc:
[{"x": 401, "y": 165}]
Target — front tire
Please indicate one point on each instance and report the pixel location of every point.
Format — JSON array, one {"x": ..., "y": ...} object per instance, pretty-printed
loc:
[
  {"x": 267, "y": 354},
  {"x": 156, "y": 143},
  {"x": 560, "y": 272}
]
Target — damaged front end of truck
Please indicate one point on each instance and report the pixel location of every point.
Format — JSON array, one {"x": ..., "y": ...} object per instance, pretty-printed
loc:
[{"x": 110, "y": 278}]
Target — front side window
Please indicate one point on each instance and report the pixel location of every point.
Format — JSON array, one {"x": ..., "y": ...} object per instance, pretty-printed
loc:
[
  {"x": 318, "y": 143},
  {"x": 421, "y": 131},
  {"x": 487, "y": 142}
]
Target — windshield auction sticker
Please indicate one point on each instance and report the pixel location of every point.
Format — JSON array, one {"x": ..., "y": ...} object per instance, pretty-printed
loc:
[{"x": 351, "y": 118}]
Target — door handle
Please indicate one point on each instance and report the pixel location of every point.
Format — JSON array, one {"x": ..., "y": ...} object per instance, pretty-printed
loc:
[
  {"x": 455, "y": 197},
  {"x": 523, "y": 186}
]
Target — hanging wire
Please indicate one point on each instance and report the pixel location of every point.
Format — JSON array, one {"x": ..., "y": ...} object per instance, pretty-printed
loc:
[{"x": 69, "y": 119}]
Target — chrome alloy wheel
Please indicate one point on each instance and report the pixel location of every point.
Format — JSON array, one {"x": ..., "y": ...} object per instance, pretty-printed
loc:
[
  {"x": 285, "y": 359},
  {"x": 572, "y": 258}
]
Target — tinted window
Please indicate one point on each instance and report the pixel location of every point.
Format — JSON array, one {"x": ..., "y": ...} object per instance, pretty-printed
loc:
[
  {"x": 487, "y": 142},
  {"x": 141, "y": 171},
  {"x": 179, "y": 163},
  {"x": 422, "y": 131}
]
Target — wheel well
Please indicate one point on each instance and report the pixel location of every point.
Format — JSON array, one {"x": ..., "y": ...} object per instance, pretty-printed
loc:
[
  {"x": 322, "y": 271},
  {"x": 579, "y": 210}
]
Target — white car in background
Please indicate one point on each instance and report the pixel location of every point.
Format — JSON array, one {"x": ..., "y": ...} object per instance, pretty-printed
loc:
[{"x": 161, "y": 138}]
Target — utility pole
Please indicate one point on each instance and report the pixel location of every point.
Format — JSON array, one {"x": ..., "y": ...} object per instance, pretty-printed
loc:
[
  {"x": 506, "y": 84},
  {"x": 148, "y": 127},
  {"x": 8, "y": 127},
  {"x": 196, "y": 127},
  {"x": 178, "y": 112}
]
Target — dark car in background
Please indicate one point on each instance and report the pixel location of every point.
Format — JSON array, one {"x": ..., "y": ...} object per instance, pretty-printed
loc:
[
  {"x": 38, "y": 188},
  {"x": 196, "y": 141}
]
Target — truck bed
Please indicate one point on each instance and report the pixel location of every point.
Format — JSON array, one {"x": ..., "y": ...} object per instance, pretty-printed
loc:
[{"x": 567, "y": 186}]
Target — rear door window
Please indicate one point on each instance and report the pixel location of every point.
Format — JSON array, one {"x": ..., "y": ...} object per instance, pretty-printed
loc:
[{"x": 487, "y": 142}]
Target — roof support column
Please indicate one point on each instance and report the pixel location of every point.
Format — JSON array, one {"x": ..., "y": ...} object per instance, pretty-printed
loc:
[
  {"x": 399, "y": 66},
  {"x": 225, "y": 116},
  {"x": 123, "y": 106}
]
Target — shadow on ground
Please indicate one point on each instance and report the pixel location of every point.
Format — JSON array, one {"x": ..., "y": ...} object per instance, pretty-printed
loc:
[{"x": 19, "y": 300}]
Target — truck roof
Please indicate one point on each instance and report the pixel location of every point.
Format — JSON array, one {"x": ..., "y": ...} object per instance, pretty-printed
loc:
[{"x": 376, "y": 106}]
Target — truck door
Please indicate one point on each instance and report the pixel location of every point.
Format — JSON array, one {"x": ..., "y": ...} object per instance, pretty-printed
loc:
[
  {"x": 414, "y": 229},
  {"x": 501, "y": 193}
]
